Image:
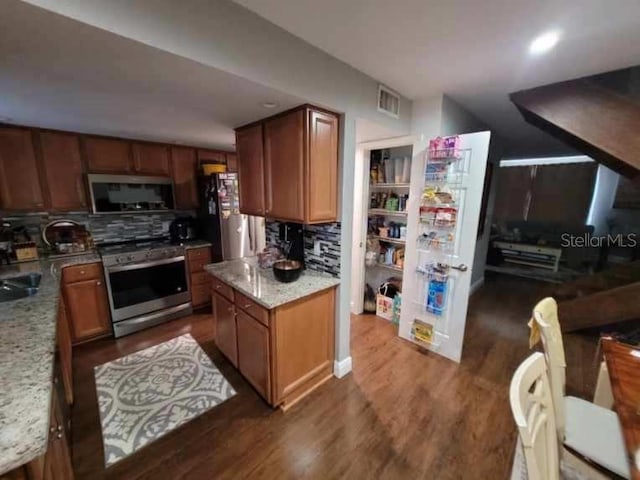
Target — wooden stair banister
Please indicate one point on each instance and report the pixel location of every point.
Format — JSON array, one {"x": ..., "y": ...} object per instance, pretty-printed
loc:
[
  {"x": 600, "y": 309},
  {"x": 598, "y": 122}
]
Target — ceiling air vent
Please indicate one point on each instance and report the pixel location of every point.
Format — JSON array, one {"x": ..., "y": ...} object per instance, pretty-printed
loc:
[{"x": 388, "y": 101}]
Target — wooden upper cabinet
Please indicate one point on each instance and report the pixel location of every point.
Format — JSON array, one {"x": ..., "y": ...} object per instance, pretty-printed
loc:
[
  {"x": 151, "y": 159},
  {"x": 232, "y": 162},
  {"x": 249, "y": 148},
  {"x": 284, "y": 166},
  {"x": 322, "y": 167},
  {"x": 63, "y": 171},
  {"x": 296, "y": 158},
  {"x": 106, "y": 155},
  {"x": 20, "y": 187},
  {"x": 210, "y": 156},
  {"x": 184, "y": 165}
]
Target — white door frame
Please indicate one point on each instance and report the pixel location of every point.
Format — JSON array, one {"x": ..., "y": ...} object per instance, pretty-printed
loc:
[{"x": 360, "y": 210}]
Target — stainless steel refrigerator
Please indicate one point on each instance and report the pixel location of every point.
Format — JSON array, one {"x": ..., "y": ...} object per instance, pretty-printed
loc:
[{"x": 232, "y": 234}]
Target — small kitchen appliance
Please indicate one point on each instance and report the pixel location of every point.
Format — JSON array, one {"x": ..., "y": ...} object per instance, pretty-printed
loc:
[
  {"x": 147, "y": 284},
  {"x": 182, "y": 229}
]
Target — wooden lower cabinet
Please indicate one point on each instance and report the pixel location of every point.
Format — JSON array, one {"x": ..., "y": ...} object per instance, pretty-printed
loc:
[
  {"x": 302, "y": 342},
  {"x": 225, "y": 324},
  {"x": 86, "y": 302},
  {"x": 285, "y": 352},
  {"x": 200, "y": 280},
  {"x": 64, "y": 351},
  {"x": 57, "y": 461},
  {"x": 253, "y": 353}
]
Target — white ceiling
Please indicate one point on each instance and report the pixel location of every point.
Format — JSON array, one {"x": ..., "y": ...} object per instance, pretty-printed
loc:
[
  {"x": 59, "y": 73},
  {"x": 474, "y": 51}
]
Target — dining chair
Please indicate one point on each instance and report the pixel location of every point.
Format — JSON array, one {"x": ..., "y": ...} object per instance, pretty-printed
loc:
[
  {"x": 588, "y": 431},
  {"x": 532, "y": 408},
  {"x": 603, "y": 395}
]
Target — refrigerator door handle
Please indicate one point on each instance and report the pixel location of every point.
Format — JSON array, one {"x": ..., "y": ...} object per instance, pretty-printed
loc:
[{"x": 250, "y": 231}]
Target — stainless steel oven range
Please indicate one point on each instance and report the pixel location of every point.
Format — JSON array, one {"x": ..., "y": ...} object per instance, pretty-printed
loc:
[{"x": 147, "y": 284}]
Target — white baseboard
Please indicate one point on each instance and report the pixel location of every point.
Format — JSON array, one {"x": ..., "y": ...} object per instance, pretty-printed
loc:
[
  {"x": 476, "y": 285},
  {"x": 342, "y": 367}
]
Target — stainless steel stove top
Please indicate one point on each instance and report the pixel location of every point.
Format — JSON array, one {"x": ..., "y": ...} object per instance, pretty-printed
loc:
[{"x": 139, "y": 252}]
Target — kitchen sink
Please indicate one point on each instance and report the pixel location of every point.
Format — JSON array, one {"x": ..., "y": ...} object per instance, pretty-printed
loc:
[{"x": 19, "y": 287}]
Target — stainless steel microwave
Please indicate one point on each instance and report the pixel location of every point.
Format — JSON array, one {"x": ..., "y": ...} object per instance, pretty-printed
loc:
[{"x": 130, "y": 194}]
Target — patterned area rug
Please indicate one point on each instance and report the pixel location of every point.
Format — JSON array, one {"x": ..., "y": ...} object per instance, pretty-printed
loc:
[{"x": 145, "y": 395}]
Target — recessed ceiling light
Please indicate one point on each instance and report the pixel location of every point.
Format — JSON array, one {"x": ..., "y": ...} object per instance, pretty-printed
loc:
[
  {"x": 544, "y": 42},
  {"x": 269, "y": 104}
]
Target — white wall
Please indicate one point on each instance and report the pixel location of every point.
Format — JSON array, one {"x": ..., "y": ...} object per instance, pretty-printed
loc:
[{"x": 604, "y": 193}]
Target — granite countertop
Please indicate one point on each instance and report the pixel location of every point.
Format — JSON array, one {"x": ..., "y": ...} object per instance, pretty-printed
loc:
[
  {"x": 196, "y": 244},
  {"x": 261, "y": 285},
  {"x": 27, "y": 353}
]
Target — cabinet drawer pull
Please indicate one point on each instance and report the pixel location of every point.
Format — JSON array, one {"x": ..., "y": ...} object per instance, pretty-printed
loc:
[
  {"x": 52, "y": 429},
  {"x": 218, "y": 287},
  {"x": 248, "y": 305},
  {"x": 98, "y": 283},
  {"x": 230, "y": 309}
]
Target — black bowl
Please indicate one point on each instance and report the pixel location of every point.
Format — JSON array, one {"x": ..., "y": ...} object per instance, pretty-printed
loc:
[{"x": 287, "y": 270}]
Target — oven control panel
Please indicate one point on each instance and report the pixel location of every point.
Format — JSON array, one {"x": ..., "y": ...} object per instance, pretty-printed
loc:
[{"x": 144, "y": 256}]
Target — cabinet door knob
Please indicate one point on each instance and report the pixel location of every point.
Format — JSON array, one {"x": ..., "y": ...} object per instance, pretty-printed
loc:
[
  {"x": 98, "y": 283},
  {"x": 248, "y": 305},
  {"x": 59, "y": 436},
  {"x": 230, "y": 309},
  {"x": 59, "y": 428}
]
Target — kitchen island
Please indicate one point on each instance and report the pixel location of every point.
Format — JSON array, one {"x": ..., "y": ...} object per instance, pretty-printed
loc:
[{"x": 279, "y": 335}]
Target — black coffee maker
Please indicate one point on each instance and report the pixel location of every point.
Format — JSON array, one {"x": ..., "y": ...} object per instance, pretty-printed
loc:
[
  {"x": 291, "y": 237},
  {"x": 182, "y": 229}
]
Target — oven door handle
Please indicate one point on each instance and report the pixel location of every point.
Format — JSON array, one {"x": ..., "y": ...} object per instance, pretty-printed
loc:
[{"x": 138, "y": 266}]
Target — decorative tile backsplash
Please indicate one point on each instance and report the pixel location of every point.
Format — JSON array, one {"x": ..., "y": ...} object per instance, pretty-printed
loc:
[
  {"x": 103, "y": 228},
  {"x": 327, "y": 234}
]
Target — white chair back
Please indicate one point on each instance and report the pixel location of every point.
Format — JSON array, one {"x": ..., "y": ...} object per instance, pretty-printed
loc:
[
  {"x": 545, "y": 314},
  {"x": 532, "y": 408}
]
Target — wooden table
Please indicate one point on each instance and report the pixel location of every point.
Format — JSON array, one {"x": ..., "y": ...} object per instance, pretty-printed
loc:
[{"x": 623, "y": 364}]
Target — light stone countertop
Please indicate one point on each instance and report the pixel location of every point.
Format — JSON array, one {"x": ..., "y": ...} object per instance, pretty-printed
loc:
[
  {"x": 27, "y": 353},
  {"x": 260, "y": 284},
  {"x": 196, "y": 244}
]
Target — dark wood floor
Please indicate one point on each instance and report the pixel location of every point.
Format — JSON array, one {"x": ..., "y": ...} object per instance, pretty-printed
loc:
[{"x": 400, "y": 414}]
